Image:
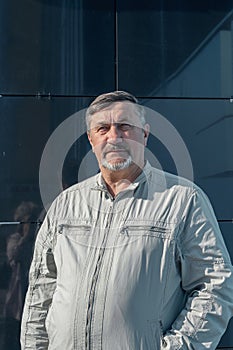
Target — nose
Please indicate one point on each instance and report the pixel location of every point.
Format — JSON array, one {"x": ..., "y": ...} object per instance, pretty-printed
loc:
[{"x": 114, "y": 134}]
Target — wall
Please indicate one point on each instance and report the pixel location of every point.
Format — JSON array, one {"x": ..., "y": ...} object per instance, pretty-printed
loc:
[{"x": 56, "y": 56}]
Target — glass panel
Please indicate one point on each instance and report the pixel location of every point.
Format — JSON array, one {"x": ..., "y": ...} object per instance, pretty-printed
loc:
[
  {"x": 206, "y": 128},
  {"x": 57, "y": 47},
  {"x": 16, "y": 248},
  {"x": 198, "y": 139},
  {"x": 25, "y": 126},
  {"x": 227, "y": 231},
  {"x": 176, "y": 48},
  {"x": 227, "y": 338}
]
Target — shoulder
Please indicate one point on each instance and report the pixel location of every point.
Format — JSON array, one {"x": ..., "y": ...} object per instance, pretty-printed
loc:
[
  {"x": 83, "y": 185},
  {"x": 176, "y": 186},
  {"x": 74, "y": 193},
  {"x": 170, "y": 181}
]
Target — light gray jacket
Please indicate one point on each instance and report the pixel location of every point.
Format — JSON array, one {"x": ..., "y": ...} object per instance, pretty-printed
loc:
[{"x": 147, "y": 270}]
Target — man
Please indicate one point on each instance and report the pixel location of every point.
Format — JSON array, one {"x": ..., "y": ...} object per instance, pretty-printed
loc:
[{"x": 123, "y": 261}]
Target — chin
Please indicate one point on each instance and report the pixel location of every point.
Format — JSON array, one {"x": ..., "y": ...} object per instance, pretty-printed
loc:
[{"x": 117, "y": 164}]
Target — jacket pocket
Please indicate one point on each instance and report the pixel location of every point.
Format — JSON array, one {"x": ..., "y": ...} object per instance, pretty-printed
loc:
[
  {"x": 146, "y": 230},
  {"x": 75, "y": 232}
]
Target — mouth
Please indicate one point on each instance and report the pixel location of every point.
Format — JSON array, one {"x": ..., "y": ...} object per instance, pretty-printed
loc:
[
  {"x": 115, "y": 150},
  {"x": 116, "y": 153}
]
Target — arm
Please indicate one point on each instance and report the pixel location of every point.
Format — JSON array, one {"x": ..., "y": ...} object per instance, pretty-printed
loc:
[
  {"x": 206, "y": 275},
  {"x": 42, "y": 283}
]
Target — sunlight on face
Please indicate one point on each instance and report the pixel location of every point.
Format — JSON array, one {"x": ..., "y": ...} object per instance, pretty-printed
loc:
[{"x": 118, "y": 137}]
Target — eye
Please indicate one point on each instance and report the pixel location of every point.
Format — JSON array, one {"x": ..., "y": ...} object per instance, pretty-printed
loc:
[
  {"x": 102, "y": 129},
  {"x": 125, "y": 127}
]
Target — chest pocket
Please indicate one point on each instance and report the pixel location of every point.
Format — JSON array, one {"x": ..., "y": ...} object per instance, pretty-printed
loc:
[
  {"x": 76, "y": 232},
  {"x": 146, "y": 230},
  {"x": 151, "y": 229}
]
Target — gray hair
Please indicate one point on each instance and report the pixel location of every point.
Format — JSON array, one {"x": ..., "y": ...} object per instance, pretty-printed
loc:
[{"x": 105, "y": 100}]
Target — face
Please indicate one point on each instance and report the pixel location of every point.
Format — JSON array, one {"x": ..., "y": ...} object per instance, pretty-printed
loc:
[{"x": 117, "y": 136}]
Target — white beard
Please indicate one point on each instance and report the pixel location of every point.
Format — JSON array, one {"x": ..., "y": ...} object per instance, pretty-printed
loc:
[{"x": 117, "y": 166}]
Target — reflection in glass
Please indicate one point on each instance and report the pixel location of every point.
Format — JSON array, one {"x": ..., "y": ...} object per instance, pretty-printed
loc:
[
  {"x": 163, "y": 52},
  {"x": 19, "y": 250}
]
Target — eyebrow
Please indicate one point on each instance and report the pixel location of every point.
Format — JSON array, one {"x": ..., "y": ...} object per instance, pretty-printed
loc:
[{"x": 105, "y": 122}]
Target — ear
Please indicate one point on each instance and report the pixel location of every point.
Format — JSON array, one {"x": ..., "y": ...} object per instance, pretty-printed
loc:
[
  {"x": 146, "y": 133},
  {"x": 90, "y": 140}
]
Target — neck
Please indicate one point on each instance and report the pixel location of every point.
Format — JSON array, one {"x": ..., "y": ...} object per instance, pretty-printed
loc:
[{"x": 119, "y": 180}]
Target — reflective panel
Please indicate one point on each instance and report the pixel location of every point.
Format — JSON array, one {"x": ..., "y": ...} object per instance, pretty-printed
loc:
[
  {"x": 206, "y": 129},
  {"x": 58, "y": 47},
  {"x": 26, "y": 125},
  {"x": 192, "y": 138},
  {"x": 16, "y": 249},
  {"x": 227, "y": 231},
  {"x": 176, "y": 48}
]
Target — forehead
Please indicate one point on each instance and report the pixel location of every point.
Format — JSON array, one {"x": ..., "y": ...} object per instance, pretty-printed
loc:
[{"x": 117, "y": 112}]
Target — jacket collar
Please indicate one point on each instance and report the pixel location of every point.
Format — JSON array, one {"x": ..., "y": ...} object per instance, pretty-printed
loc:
[{"x": 101, "y": 185}]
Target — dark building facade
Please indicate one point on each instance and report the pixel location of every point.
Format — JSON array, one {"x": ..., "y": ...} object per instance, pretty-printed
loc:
[{"x": 176, "y": 57}]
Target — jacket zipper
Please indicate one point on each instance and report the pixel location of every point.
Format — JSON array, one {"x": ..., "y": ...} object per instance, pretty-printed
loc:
[
  {"x": 93, "y": 286},
  {"x": 73, "y": 227},
  {"x": 152, "y": 229}
]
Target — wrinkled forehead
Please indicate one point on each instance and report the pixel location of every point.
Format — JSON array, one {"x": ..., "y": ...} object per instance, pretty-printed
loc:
[{"x": 117, "y": 113}]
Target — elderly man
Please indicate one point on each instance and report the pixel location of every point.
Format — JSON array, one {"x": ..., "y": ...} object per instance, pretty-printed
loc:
[{"x": 123, "y": 261}]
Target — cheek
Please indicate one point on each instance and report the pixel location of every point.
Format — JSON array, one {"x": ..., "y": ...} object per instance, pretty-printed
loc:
[
  {"x": 96, "y": 141},
  {"x": 135, "y": 142},
  {"x": 98, "y": 147}
]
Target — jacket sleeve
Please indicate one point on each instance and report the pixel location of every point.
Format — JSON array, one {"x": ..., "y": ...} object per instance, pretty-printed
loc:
[
  {"x": 42, "y": 283},
  {"x": 206, "y": 277}
]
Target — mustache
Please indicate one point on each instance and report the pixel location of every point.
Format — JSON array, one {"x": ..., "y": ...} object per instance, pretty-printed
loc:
[{"x": 109, "y": 148}]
